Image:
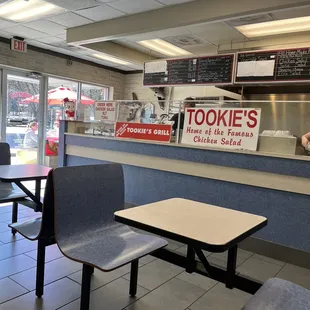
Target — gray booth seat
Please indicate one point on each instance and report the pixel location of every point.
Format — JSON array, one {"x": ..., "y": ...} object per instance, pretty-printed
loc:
[
  {"x": 7, "y": 192},
  {"x": 86, "y": 198},
  {"x": 278, "y": 294},
  {"x": 42, "y": 230}
]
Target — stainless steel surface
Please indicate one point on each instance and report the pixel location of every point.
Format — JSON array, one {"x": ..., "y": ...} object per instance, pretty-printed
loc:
[
  {"x": 280, "y": 145},
  {"x": 285, "y": 115}
]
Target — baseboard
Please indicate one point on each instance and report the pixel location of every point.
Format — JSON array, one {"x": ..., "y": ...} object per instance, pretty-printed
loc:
[{"x": 277, "y": 251}]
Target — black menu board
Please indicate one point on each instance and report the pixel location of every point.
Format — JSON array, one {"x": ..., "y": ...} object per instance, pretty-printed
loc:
[
  {"x": 215, "y": 70},
  {"x": 291, "y": 65},
  {"x": 208, "y": 70}
]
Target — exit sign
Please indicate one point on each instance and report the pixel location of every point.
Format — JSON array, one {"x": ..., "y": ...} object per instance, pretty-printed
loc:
[{"x": 18, "y": 45}]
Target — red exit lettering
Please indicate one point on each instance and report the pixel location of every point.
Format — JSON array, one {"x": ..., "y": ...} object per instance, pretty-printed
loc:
[{"x": 19, "y": 46}]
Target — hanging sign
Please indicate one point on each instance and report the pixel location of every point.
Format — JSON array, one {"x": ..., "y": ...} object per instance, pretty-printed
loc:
[
  {"x": 228, "y": 128},
  {"x": 105, "y": 111},
  {"x": 18, "y": 45},
  {"x": 152, "y": 132}
]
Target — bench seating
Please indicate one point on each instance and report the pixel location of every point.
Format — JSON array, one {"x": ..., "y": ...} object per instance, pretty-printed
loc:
[
  {"x": 278, "y": 294},
  {"x": 86, "y": 198}
]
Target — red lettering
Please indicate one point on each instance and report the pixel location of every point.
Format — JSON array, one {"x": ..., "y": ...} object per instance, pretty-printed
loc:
[
  {"x": 253, "y": 119},
  {"x": 230, "y": 117},
  {"x": 191, "y": 111},
  {"x": 237, "y": 118},
  {"x": 221, "y": 118},
  {"x": 201, "y": 112},
  {"x": 208, "y": 117}
]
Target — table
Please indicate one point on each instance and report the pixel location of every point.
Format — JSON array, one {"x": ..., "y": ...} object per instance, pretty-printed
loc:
[
  {"x": 202, "y": 227},
  {"x": 19, "y": 173}
]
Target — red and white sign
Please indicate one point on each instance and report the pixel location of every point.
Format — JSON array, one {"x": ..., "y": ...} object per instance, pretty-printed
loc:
[
  {"x": 18, "y": 45},
  {"x": 230, "y": 128},
  {"x": 105, "y": 111},
  {"x": 152, "y": 132}
]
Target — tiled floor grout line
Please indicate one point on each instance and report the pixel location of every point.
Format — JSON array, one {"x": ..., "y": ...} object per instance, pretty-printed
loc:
[
  {"x": 281, "y": 269},
  {"x": 19, "y": 285},
  {"x": 188, "y": 307}
]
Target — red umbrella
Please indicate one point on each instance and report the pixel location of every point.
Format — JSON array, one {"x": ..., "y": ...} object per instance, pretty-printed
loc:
[{"x": 57, "y": 95}]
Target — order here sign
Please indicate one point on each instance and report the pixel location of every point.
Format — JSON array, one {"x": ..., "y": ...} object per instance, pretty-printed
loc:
[
  {"x": 105, "y": 111},
  {"x": 231, "y": 128},
  {"x": 153, "y": 132}
]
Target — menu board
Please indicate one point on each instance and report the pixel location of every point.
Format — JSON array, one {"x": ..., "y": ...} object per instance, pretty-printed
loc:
[
  {"x": 291, "y": 65},
  {"x": 208, "y": 70}
]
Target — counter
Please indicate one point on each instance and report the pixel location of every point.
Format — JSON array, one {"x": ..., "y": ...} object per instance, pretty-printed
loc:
[{"x": 277, "y": 187}]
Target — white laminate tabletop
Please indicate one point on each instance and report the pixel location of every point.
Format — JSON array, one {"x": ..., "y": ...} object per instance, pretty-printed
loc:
[{"x": 196, "y": 221}]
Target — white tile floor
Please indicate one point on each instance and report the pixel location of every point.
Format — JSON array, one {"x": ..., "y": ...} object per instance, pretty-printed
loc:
[{"x": 161, "y": 285}]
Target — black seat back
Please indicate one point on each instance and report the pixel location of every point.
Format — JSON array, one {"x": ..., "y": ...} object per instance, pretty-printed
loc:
[
  {"x": 47, "y": 227},
  {"x": 5, "y": 154},
  {"x": 86, "y": 198}
]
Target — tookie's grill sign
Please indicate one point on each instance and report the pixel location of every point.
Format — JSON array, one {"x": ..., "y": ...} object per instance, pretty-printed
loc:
[{"x": 231, "y": 128}]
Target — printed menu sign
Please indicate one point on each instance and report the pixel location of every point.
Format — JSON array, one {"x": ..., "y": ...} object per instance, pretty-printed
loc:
[
  {"x": 228, "y": 128},
  {"x": 207, "y": 70},
  {"x": 291, "y": 65},
  {"x": 105, "y": 111},
  {"x": 152, "y": 132}
]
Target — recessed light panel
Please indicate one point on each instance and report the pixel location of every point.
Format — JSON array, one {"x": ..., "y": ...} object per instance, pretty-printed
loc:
[{"x": 21, "y": 10}]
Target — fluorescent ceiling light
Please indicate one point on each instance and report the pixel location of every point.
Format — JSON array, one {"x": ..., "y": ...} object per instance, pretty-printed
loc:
[
  {"x": 21, "y": 10},
  {"x": 284, "y": 26},
  {"x": 164, "y": 47},
  {"x": 112, "y": 59}
]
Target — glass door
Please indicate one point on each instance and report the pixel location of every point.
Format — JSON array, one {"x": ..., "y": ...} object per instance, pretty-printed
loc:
[{"x": 24, "y": 117}]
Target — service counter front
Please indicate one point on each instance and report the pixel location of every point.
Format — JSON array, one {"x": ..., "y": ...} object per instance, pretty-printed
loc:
[{"x": 277, "y": 187}]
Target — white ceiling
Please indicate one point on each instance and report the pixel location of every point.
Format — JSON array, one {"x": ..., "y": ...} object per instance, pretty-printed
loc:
[{"x": 50, "y": 32}]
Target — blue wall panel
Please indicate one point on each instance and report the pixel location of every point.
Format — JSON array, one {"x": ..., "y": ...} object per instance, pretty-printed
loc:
[
  {"x": 288, "y": 213},
  {"x": 299, "y": 168}
]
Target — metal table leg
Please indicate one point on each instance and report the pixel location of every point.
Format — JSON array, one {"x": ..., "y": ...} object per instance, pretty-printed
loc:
[
  {"x": 231, "y": 266},
  {"x": 191, "y": 266}
]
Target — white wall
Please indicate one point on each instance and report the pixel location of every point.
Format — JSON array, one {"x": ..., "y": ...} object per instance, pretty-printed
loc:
[
  {"x": 54, "y": 65},
  {"x": 133, "y": 83}
]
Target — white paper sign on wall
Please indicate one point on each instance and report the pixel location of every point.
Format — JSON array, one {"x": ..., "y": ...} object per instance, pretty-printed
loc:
[
  {"x": 230, "y": 128},
  {"x": 105, "y": 111}
]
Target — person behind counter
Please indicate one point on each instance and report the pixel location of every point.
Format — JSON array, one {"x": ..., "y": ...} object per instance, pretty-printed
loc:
[
  {"x": 188, "y": 103},
  {"x": 305, "y": 141}
]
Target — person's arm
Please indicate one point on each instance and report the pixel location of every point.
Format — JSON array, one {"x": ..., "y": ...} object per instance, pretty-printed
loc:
[
  {"x": 175, "y": 119},
  {"x": 305, "y": 139}
]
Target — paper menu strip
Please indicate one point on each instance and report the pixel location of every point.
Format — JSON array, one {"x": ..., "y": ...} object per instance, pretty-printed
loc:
[
  {"x": 155, "y": 66},
  {"x": 246, "y": 68},
  {"x": 264, "y": 68},
  {"x": 256, "y": 68}
]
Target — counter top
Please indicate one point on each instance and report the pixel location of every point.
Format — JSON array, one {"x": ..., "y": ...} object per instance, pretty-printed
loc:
[{"x": 256, "y": 153}]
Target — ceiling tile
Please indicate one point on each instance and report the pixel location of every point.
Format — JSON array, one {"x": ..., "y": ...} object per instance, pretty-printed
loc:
[
  {"x": 205, "y": 49},
  {"x": 139, "y": 48},
  {"x": 171, "y": 2},
  {"x": 135, "y": 6},
  {"x": 46, "y": 26},
  {"x": 171, "y": 32},
  {"x": 62, "y": 36},
  {"x": 101, "y": 12},
  {"x": 5, "y": 24},
  {"x": 5, "y": 34},
  {"x": 25, "y": 32},
  {"x": 51, "y": 40},
  {"x": 74, "y": 4},
  {"x": 70, "y": 20},
  {"x": 216, "y": 32},
  {"x": 291, "y": 13}
]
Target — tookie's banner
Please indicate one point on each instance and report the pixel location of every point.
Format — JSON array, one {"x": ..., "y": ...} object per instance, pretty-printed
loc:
[
  {"x": 152, "y": 132},
  {"x": 231, "y": 128}
]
